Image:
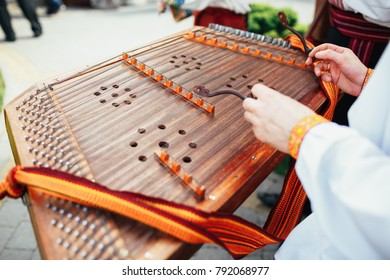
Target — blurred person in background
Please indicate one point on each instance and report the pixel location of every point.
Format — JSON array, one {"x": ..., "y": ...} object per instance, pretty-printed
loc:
[
  {"x": 54, "y": 6},
  {"x": 230, "y": 13},
  {"x": 28, "y": 8}
]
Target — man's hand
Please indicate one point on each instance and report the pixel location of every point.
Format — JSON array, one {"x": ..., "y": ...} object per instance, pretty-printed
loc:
[
  {"x": 273, "y": 116},
  {"x": 340, "y": 66}
]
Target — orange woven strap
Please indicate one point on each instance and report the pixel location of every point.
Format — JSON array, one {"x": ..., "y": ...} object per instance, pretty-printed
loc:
[
  {"x": 287, "y": 211},
  {"x": 9, "y": 186},
  {"x": 296, "y": 43},
  {"x": 236, "y": 235}
]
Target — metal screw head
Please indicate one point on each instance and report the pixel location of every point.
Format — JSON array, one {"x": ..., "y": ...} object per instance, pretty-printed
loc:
[
  {"x": 148, "y": 255},
  {"x": 123, "y": 252}
]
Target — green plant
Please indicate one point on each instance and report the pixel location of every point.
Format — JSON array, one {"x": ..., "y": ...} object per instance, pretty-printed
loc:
[{"x": 263, "y": 19}]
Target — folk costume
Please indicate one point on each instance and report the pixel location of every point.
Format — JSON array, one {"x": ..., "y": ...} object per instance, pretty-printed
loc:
[
  {"x": 364, "y": 27},
  {"x": 225, "y": 12},
  {"x": 345, "y": 172}
]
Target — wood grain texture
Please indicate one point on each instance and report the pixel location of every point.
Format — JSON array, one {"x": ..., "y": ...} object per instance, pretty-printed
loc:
[{"x": 107, "y": 122}]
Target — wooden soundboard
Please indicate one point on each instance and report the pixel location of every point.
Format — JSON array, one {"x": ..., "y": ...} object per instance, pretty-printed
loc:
[{"x": 114, "y": 121}]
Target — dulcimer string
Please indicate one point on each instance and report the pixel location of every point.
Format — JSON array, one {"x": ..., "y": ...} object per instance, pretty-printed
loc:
[
  {"x": 141, "y": 50},
  {"x": 96, "y": 67},
  {"x": 103, "y": 63},
  {"x": 148, "y": 49},
  {"x": 114, "y": 121},
  {"x": 67, "y": 97},
  {"x": 82, "y": 105}
]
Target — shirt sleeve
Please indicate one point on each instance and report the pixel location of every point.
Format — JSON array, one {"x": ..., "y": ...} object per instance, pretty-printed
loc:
[
  {"x": 376, "y": 11},
  {"x": 238, "y": 6},
  {"x": 347, "y": 179}
]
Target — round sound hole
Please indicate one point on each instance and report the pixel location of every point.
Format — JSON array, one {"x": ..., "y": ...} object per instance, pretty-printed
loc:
[
  {"x": 187, "y": 159},
  {"x": 133, "y": 144},
  {"x": 163, "y": 144},
  {"x": 142, "y": 158},
  {"x": 192, "y": 145}
]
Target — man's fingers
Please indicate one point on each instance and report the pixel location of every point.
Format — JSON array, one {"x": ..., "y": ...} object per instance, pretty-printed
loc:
[
  {"x": 260, "y": 90},
  {"x": 330, "y": 55},
  {"x": 257, "y": 89},
  {"x": 251, "y": 118},
  {"x": 326, "y": 77},
  {"x": 250, "y": 105},
  {"x": 309, "y": 61},
  {"x": 324, "y": 47},
  {"x": 260, "y": 93}
]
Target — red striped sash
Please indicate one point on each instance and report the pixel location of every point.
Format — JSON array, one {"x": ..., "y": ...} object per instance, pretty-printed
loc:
[{"x": 363, "y": 34}]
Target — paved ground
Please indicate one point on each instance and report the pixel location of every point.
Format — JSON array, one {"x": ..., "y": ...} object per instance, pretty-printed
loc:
[{"x": 82, "y": 36}]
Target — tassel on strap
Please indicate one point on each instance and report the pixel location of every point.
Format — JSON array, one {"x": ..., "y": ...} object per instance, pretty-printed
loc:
[{"x": 9, "y": 187}]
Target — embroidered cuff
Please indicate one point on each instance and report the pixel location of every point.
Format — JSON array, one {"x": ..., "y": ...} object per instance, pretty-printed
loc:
[
  {"x": 299, "y": 131},
  {"x": 367, "y": 77}
]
